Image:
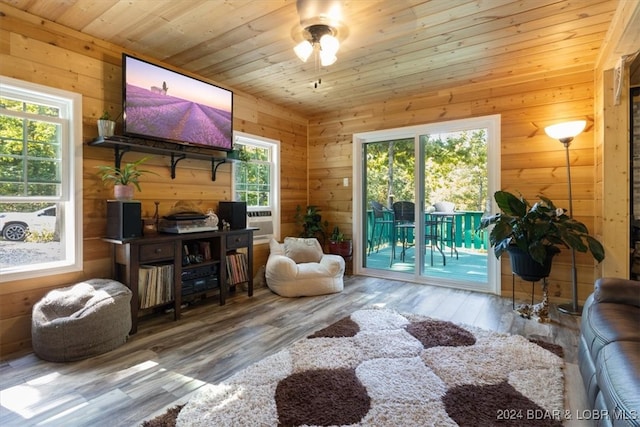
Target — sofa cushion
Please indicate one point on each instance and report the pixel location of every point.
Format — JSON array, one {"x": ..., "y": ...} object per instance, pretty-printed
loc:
[
  {"x": 619, "y": 381},
  {"x": 587, "y": 371},
  {"x": 302, "y": 249},
  {"x": 603, "y": 323}
]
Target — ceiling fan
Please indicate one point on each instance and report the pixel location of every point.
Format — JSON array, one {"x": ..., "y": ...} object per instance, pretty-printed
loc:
[{"x": 321, "y": 30}]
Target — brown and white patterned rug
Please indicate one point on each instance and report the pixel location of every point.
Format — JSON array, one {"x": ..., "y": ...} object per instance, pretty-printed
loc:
[{"x": 381, "y": 368}]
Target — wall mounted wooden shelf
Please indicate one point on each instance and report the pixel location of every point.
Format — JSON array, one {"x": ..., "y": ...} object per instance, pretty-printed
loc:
[{"x": 124, "y": 144}]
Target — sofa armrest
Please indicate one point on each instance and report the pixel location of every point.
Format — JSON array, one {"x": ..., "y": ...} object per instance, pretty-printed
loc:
[
  {"x": 281, "y": 266},
  {"x": 617, "y": 290}
]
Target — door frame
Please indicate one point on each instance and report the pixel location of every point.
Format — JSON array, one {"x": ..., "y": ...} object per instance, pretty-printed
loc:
[{"x": 493, "y": 125}]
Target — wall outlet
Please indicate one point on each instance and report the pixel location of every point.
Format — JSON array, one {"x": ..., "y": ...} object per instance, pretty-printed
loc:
[{"x": 345, "y": 182}]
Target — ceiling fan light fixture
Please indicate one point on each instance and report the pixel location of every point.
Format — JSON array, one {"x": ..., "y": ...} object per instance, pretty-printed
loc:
[
  {"x": 303, "y": 50},
  {"x": 321, "y": 29},
  {"x": 327, "y": 59},
  {"x": 320, "y": 38},
  {"x": 329, "y": 44}
]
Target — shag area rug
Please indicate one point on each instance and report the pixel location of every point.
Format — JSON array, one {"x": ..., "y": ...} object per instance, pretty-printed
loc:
[{"x": 378, "y": 367}]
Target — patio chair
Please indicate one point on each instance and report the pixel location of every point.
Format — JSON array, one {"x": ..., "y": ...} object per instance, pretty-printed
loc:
[
  {"x": 446, "y": 227},
  {"x": 381, "y": 221},
  {"x": 404, "y": 221}
]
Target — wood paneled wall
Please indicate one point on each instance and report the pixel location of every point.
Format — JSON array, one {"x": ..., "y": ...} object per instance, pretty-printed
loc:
[
  {"x": 316, "y": 152},
  {"x": 612, "y": 139},
  {"x": 532, "y": 163},
  {"x": 46, "y": 53}
]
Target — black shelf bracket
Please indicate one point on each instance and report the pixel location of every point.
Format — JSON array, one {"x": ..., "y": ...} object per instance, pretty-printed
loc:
[
  {"x": 124, "y": 144},
  {"x": 215, "y": 163},
  {"x": 174, "y": 162},
  {"x": 118, "y": 153}
]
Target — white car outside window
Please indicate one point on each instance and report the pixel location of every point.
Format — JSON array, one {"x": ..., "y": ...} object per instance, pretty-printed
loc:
[{"x": 14, "y": 225}]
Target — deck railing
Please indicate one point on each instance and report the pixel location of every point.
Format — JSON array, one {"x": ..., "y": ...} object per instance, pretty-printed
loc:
[{"x": 466, "y": 233}]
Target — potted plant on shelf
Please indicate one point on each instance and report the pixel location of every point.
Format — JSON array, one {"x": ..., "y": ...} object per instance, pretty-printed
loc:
[
  {"x": 106, "y": 126},
  {"x": 533, "y": 235},
  {"x": 124, "y": 178},
  {"x": 339, "y": 244}
]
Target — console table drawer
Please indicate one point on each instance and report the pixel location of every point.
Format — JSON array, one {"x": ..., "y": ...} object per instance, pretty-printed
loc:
[
  {"x": 235, "y": 241},
  {"x": 157, "y": 252}
]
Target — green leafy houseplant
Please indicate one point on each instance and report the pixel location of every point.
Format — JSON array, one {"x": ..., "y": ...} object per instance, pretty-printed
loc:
[
  {"x": 339, "y": 244},
  {"x": 537, "y": 229},
  {"x": 311, "y": 222},
  {"x": 126, "y": 174},
  {"x": 337, "y": 235}
]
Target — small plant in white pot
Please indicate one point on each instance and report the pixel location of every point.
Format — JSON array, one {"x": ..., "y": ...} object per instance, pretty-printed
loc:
[
  {"x": 124, "y": 178},
  {"x": 106, "y": 126}
]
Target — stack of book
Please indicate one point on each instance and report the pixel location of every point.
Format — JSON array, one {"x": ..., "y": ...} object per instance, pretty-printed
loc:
[
  {"x": 237, "y": 268},
  {"x": 155, "y": 285}
]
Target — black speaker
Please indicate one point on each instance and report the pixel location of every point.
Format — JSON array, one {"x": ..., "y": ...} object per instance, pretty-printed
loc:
[
  {"x": 235, "y": 213},
  {"x": 124, "y": 219}
]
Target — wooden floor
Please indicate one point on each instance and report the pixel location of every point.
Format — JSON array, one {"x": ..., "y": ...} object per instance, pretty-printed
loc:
[{"x": 166, "y": 361}]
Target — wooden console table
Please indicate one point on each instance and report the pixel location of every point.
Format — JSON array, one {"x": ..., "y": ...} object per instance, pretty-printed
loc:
[{"x": 170, "y": 249}]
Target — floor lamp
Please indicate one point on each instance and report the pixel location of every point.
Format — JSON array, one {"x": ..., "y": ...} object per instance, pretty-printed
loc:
[{"x": 565, "y": 132}]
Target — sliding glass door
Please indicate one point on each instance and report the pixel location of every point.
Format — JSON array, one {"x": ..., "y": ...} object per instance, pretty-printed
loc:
[{"x": 421, "y": 193}]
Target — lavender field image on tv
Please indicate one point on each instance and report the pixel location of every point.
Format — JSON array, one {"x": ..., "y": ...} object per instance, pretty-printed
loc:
[{"x": 160, "y": 103}]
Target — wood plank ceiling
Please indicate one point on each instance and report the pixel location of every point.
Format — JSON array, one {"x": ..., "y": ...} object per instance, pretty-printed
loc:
[{"x": 394, "y": 48}]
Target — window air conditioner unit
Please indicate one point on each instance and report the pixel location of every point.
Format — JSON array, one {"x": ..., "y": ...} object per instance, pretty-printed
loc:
[{"x": 264, "y": 222}]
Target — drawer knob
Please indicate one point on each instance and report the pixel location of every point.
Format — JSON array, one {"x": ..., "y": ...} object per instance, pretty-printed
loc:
[{"x": 158, "y": 250}]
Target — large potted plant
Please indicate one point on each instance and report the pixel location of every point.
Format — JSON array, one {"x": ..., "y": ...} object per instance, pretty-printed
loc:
[
  {"x": 536, "y": 231},
  {"x": 124, "y": 178},
  {"x": 533, "y": 235}
]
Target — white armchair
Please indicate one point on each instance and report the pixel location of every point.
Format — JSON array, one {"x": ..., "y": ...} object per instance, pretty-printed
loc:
[{"x": 298, "y": 267}]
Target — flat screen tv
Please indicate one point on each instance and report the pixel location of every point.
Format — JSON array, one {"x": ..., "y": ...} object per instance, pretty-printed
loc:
[{"x": 161, "y": 104}]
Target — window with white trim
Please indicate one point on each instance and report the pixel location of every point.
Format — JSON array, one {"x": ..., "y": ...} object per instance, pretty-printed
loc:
[
  {"x": 256, "y": 181},
  {"x": 40, "y": 176}
]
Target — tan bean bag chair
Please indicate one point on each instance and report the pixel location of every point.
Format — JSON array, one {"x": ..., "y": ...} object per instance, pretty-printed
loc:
[
  {"x": 298, "y": 268},
  {"x": 80, "y": 321}
]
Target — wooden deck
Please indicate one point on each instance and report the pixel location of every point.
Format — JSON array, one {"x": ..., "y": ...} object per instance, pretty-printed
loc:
[
  {"x": 470, "y": 265},
  {"x": 166, "y": 361}
]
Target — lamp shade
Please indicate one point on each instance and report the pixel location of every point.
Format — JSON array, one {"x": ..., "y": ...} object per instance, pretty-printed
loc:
[
  {"x": 566, "y": 130},
  {"x": 327, "y": 59},
  {"x": 329, "y": 44},
  {"x": 303, "y": 50}
]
